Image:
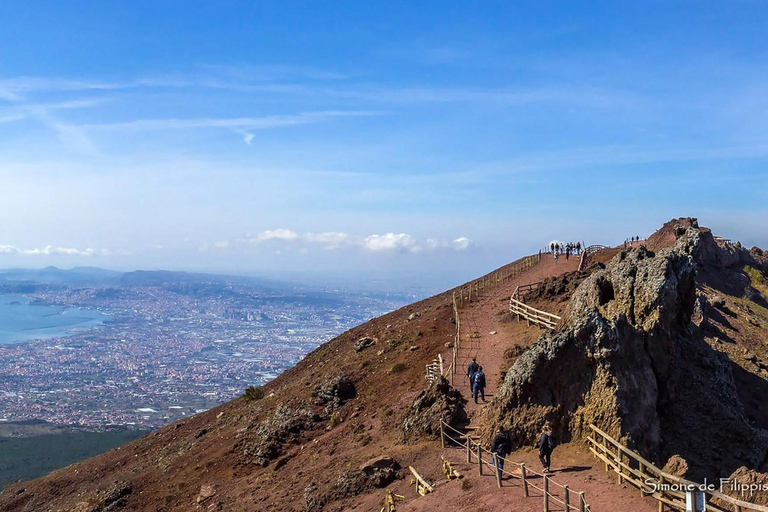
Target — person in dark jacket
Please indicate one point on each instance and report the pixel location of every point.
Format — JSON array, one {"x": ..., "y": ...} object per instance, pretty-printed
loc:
[
  {"x": 472, "y": 369},
  {"x": 478, "y": 384},
  {"x": 501, "y": 446},
  {"x": 547, "y": 444}
]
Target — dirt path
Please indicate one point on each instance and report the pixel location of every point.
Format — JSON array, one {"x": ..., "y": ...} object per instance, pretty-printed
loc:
[
  {"x": 484, "y": 316},
  {"x": 573, "y": 466}
]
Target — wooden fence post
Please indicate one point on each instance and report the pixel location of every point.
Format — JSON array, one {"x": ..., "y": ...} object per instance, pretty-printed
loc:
[
  {"x": 582, "y": 503},
  {"x": 618, "y": 465},
  {"x": 661, "y": 484},
  {"x": 469, "y": 451},
  {"x": 525, "y": 480},
  {"x": 567, "y": 498},
  {"x": 546, "y": 493},
  {"x": 442, "y": 435},
  {"x": 605, "y": 451},
  {"x": 497, "y": 468},
  {"x": 480, "y": 459}
]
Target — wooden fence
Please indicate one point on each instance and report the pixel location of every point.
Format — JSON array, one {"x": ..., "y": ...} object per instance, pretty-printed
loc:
[
  {"x": 532, "y": 315},
  {"x": 551, "y": 491},
  {"x": 466, "y": 292},
  {"x": 669, "y": 490},
  {"x": 435, "y": 368},
  {"x": 587, "y": 253}
]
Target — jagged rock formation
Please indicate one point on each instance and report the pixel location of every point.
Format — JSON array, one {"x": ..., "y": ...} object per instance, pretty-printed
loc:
[
  {"x": 631, "y": 360},
  {"x": 439, "y": 402}
]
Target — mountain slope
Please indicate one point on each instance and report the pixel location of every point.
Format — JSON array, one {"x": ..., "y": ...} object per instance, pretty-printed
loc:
[{"x": 306, "y": 445}]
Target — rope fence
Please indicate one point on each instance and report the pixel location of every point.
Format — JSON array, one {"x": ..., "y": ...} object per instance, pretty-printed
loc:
[{"x": 568, "y": 499}]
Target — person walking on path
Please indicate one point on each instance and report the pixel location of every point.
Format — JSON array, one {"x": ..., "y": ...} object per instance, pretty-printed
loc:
[
  {"x": 555, "y": 258},
  {"x": 472, "y": 369},
  {"x": 547, "y": 444},
  {"x": 501, "y": 446},
  {"x": 478, "y": 384}
]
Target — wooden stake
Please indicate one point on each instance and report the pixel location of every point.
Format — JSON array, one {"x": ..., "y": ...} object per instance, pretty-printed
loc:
[
  {"x": 469, "y": 451},
  {"x": 567, "y": 498},
  {"x": 497, "y": 468},
  {"x": 582, "y": 503},
  {"x": 546, "y": 493},
  {"x": 442, "y": 434},
  {"x": 480, "y": 459},
  {"x": 525, "y": 480}
]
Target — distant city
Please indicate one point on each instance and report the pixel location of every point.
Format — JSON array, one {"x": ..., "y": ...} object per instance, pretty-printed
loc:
[{"x": 173, "y": 344}]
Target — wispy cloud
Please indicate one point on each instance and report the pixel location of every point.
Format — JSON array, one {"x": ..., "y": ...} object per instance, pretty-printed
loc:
[
  {"x": 48, "y": 250},
  {"x": 232, "y": 123}
]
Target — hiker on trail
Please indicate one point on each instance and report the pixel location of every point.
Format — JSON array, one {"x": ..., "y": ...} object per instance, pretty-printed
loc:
[
  {"x": 578, "y": 247},
  {"x": 472, "y": 369},
  {"x": 501, "y": 446},
  {"x": 555, "y": 258},
  {"x": 478, "y": 384},
  {"x": 552, "y": 247},
  {"x": 547, "y": 444},
  {"x": 567, "y": 252}
]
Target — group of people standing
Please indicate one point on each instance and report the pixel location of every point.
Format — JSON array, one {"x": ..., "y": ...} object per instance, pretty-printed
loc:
[
  {"x": 629, "y": 241},
  {"x": 502, "y": 441},
  {"x": 558, "y": 248}
]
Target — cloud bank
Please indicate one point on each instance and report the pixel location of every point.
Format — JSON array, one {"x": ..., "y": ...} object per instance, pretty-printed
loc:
[{"x": 375, "y": 243}]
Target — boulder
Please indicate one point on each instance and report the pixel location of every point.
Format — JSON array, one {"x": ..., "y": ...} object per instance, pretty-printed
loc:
[
  {"x": 364, "y": 343},
  {"x": 439, "y": 402}
]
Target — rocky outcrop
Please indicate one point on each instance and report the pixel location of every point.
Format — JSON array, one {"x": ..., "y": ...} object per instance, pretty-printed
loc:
[
  {"x": 630, "y": 360},
  {"x": 439, "y": 402},
  {"x": 266, "y": 440}
]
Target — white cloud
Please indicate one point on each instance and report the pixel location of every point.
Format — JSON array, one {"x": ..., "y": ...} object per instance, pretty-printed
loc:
[
  {"x": 462, "y": 243},
  {"x": 329, "y": 240},
  {"x": 277, "y": 234},
  {"x": 48, "y": 250},
  {"x": 401, "y": 242},
  {"x": 223, "y": 244}
]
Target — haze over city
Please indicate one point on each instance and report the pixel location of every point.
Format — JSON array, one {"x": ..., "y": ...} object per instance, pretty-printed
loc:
[{"x": 376, "y": 142}]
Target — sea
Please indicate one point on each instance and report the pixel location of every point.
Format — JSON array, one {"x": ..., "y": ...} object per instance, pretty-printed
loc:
[{"x": 21, "y": 321}]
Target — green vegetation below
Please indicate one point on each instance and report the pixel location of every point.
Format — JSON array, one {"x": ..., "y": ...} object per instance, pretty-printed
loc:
[{"x": 26, "y": 458}]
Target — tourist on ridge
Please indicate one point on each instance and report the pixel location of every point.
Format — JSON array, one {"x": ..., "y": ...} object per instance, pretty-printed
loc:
[
  {"x": 547, "y": 444},
  {"x": 478, "y": 384},
  {"x": 555, "y": 258},
  {"x": 501, "y": 446},
  {"x": 472, "y": 369}
]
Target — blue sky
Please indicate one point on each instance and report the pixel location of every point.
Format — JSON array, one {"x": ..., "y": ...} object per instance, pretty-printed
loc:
[{"x": 428, "y": 142}]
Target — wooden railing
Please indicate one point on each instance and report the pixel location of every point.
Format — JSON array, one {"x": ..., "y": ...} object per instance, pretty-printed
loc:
[
  {"x": 435, "y": 368},
  {"x": 466, "y": 292},
  {"x": 587, "y": 253},
  {"x": 551, "y": 491},
  {"x": 669, "y": 490},
  {"x": 531, "y": 314}
]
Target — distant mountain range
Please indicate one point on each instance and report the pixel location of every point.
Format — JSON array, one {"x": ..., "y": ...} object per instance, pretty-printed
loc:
[{"x": 94, "y": 276}]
